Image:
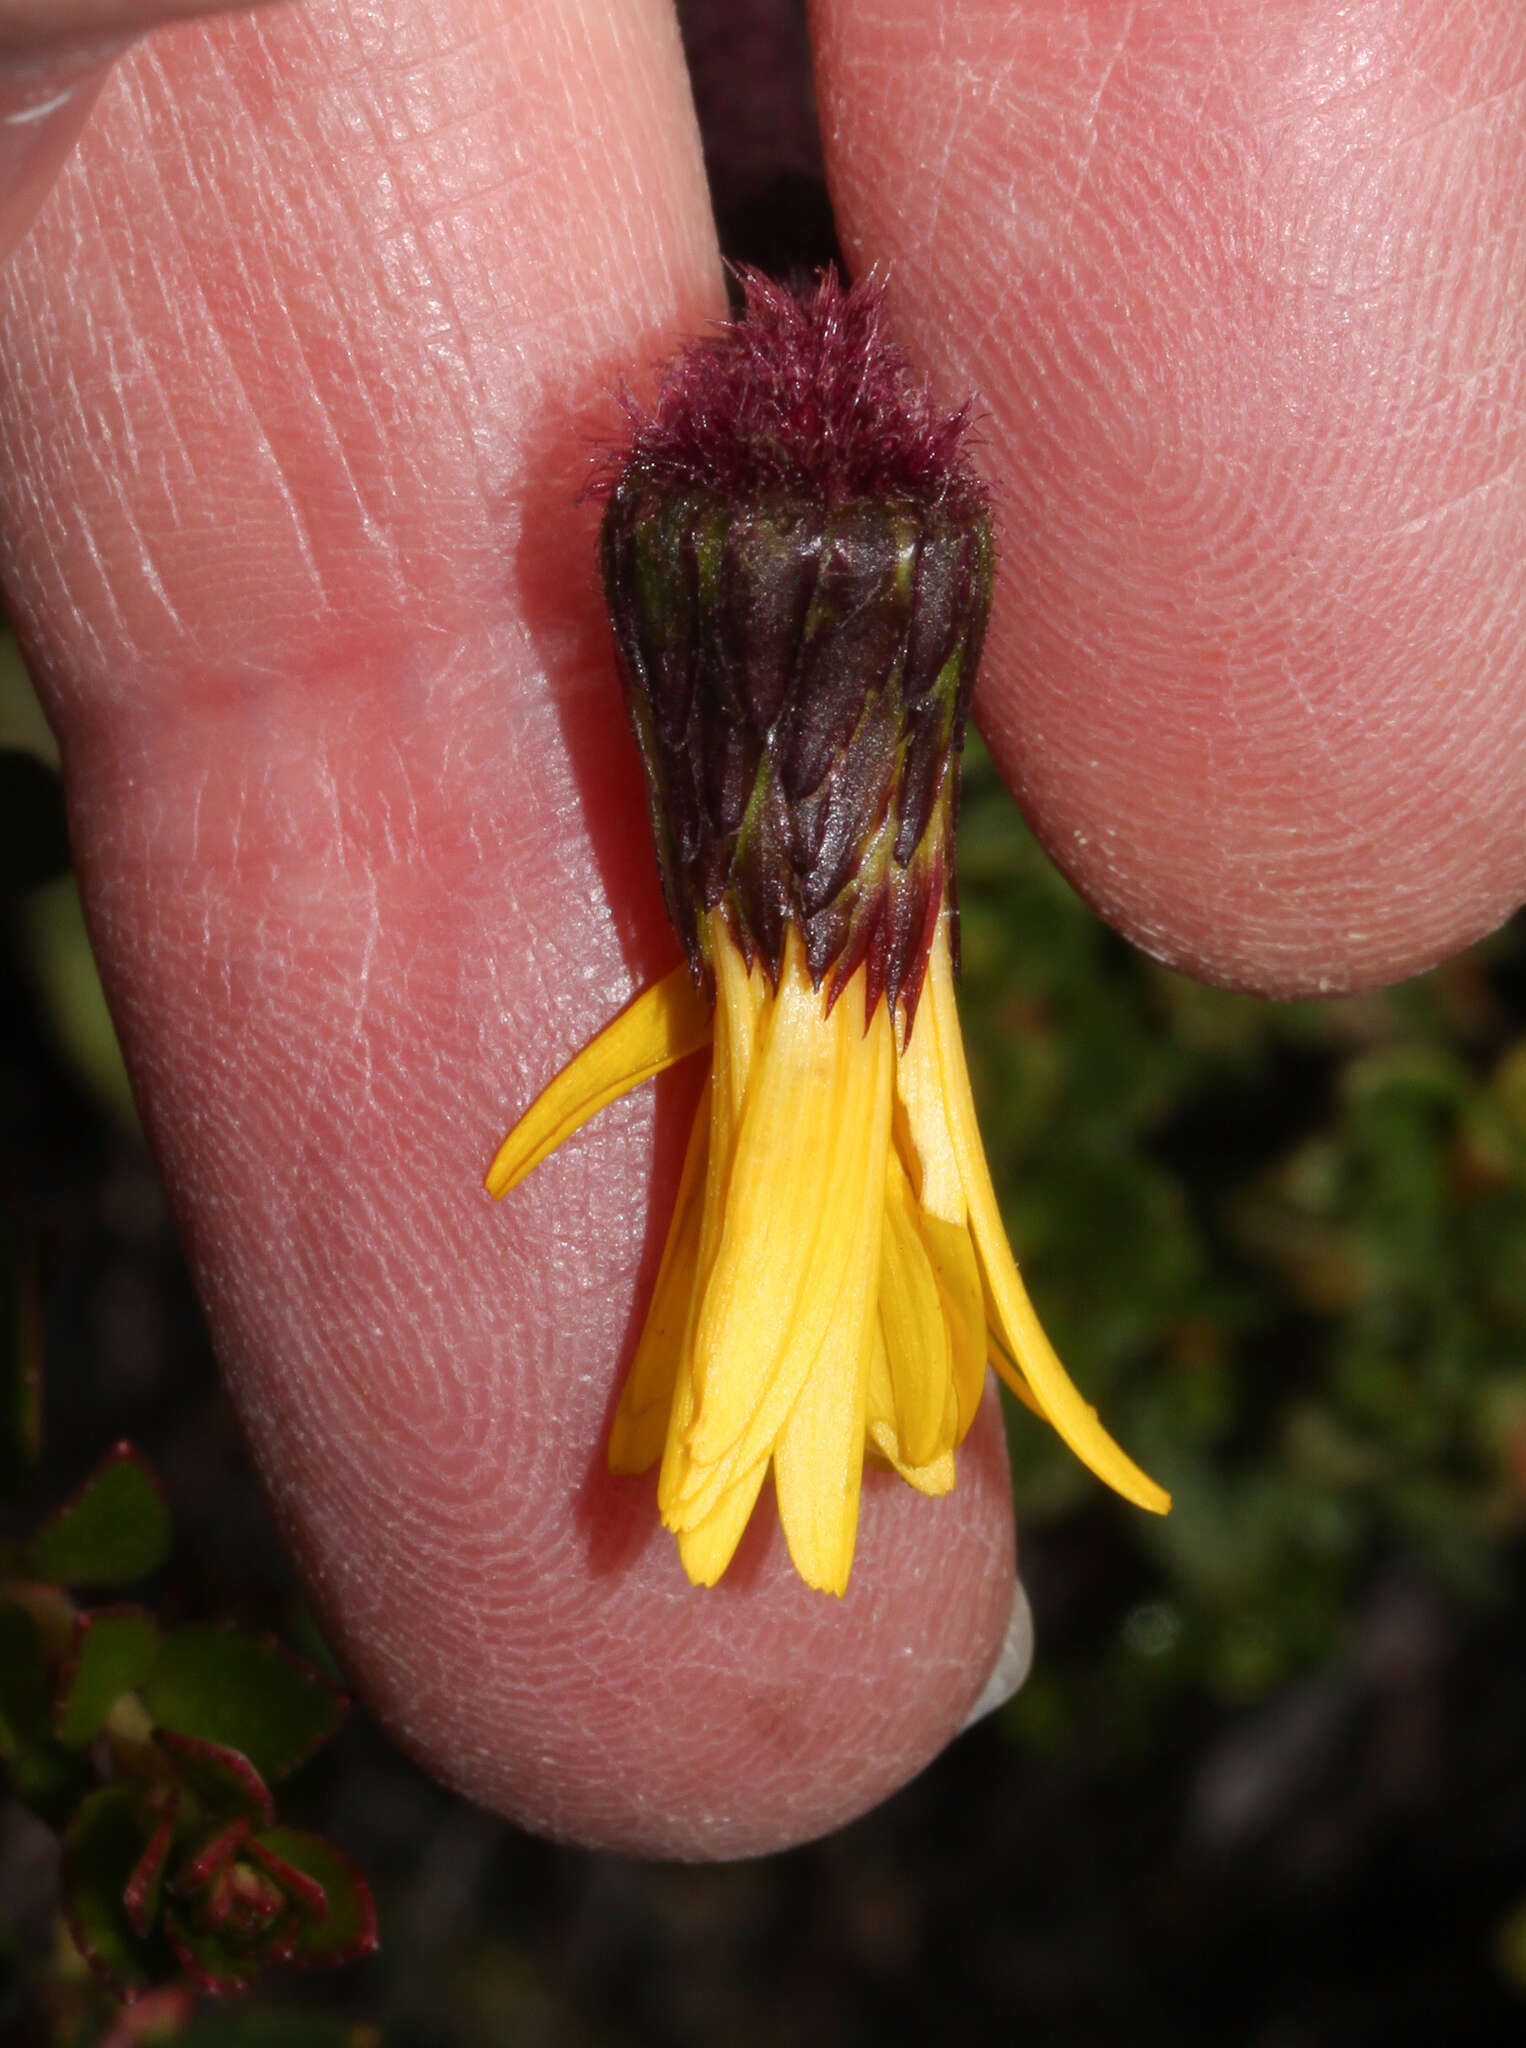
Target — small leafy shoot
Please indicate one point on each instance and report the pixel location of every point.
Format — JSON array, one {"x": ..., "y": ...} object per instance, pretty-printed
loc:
[
  {"x": 244, "y": 1693},
  {"x": 113, "y": 1651},
  {"x": 113, "y": 1529}
]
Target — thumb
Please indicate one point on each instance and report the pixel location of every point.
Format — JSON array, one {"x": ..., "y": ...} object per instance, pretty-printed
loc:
[{"x": 1242, "y": 305}]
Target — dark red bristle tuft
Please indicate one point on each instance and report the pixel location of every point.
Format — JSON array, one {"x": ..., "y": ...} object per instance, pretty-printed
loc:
[{"x": 805, "y": 392}]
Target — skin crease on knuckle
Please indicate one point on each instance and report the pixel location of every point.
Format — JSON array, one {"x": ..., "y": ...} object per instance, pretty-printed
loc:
[
  {"x": 300, "y": 365},
  {"x": 1240, "y": 289}
]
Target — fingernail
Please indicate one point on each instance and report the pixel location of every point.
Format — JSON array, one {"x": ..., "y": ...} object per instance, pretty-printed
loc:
[{"x": 1012, "y": 1662}]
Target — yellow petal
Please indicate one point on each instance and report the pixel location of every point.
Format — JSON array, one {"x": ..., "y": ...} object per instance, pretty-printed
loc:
[
  {"x": 819, "y": 1464},
  {"x": 705, "y": 1550},
  {"x": 742, "y": 1000},
  {"x": 912, "y": 1319},
  {"x": 676, "y": 1468},
  {"x": 880, "y": 1426},
  {"x": 952, "y": 1252},
  {"x": 1006, "y": 1368},
  {"x": 664, "y": 1024},
  {"x": 934, "y": 1479},
  {"x": 880, "y": 1394},
  {"x": 640, "y": 1426},
  {"x": 922, "y": 1129},
  {"x": 742, "y": 1006},
  {"x": 1017, "y": 1325},
  {"x": 802, "y": 1215}
]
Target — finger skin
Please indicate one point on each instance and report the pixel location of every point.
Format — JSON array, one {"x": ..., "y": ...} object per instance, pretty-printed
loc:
[
  {"x": 1240, "y": 290},
  {"x": 53, "y": 56},
  {"x": 27, "y": 26},
  {"x": 44, "y": 103},
  {"x": 301, "y": 367}
]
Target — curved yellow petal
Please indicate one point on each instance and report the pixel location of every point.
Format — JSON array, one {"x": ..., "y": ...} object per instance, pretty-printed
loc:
[
  {"x": 952, "y": 1252},
  {"x": 916, "y": 1332},
  {"x": 1006, "y": 1369},
  {"x": 664, "y": 1024},
  {"x": 1017, "y": 1325},
  {"x": 921, "y": 1122},
  {"x": 934, "y": 1479},
  {"x": 880, "y": 1426},
  {"x": 640, "y": 1426}
]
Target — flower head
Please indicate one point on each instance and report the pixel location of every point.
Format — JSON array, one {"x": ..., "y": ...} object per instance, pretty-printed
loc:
[{"x": 797, "y": 561}]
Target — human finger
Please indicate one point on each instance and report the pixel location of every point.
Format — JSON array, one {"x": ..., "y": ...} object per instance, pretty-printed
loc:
[
  {"x": 1240, "y": 294},
  {"x": 302, "y": 361}
]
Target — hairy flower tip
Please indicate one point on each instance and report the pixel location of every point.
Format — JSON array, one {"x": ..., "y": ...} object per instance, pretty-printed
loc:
[
  {"x": 798, "y": 571},
  {"x": 805, "y": 392}
]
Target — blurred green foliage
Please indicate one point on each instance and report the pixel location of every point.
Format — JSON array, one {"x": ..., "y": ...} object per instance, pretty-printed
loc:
[
  {"x": 151, "y": 1751},
  {"x": 1281, "y": 1247}
]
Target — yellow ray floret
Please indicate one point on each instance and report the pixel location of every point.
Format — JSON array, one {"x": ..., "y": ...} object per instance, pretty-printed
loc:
[
  {"x": 836, "y": 1273},
  {"x": 665, "y": 1023}
]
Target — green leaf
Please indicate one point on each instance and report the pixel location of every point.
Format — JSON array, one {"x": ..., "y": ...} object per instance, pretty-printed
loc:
[
  {"x": 51, "y": 1779},
  {"x": 114, "y": 1528},
  {"x": 102, "y": 1848},
  {"x": 242, "y": 1692},
  {"x": 26, "y": 1691},
  {"x": 20, "y": 1364},
  {"x": 112, "y": 1652},
  {"x": 222, "y": 1780},
  {"x": 304, "y": 1891},
  {"x": 348, "y": 1927}
]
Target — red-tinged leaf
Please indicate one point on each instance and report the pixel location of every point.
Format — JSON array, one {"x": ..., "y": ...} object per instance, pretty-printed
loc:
[
  {"x": 348, "y": 1929},
  {"x": 211, "y": 1963},
  {"x": 209, "y": 1856},
  {"x": 305, "y": 1891},
  {"x": 278, "y": 1944},
  {"x": 243, "y": 1692},
  {"x": 113, "y": 1528},
  {"x": 20, "y": 1363},
  {"x": 223, "y": 1780},
  {"x": 112, "y": 1651},
  {"x": 144, "y": 1889},
  {"x": 102, "y": 1848}
]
